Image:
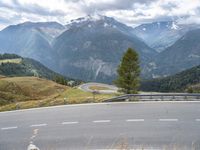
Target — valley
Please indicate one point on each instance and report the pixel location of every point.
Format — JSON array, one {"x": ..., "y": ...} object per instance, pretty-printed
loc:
[
  {"x": 89, "y": 49},
  {"x": 99, "y": 75}
]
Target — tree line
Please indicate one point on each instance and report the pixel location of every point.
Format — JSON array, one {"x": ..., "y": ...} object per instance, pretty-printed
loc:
[{"x": 8, "y": 56}]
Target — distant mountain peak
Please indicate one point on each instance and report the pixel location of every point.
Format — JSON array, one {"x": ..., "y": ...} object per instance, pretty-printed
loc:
[
  {"x": 88, "y": 18},
  {"x": 52, "y": 24},
  {"x": 174, "y": 26}
]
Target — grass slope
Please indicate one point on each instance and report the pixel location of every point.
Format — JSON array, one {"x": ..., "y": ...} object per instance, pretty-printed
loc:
[
  {"x": 18, "y": 89},
  {"x": 32, "y": 92}
]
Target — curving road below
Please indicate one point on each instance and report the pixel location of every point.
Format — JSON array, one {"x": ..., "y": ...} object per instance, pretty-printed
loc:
[
  {"x": 152, "y": 125},
  {"x": 86, "y": 87}
]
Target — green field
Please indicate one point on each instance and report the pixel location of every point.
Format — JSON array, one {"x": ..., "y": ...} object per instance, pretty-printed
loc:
[{"x": 15, "y": 61}]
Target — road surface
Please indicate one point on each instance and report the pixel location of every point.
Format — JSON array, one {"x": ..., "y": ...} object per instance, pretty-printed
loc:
[
  {"x": 86, "y": 87},
  {"x": 153, "y": 125}
]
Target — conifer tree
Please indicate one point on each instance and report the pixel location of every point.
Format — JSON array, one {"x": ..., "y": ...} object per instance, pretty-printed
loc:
[{"x": 128, "y": 73}]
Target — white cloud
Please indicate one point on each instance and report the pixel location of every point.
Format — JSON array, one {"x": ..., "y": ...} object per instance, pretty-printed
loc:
[{"x": 131, "y": 12}]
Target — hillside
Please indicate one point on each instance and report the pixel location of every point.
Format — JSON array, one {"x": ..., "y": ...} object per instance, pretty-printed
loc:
[
  {"x": 17, "y": 66},
  {"x": 32, "y": 92},
  {"x": 32, "y": 40},
  {"x": 176, "y": 83},
  {"x": 16, "y": 89},
  {"x": 182, "y": 55}
]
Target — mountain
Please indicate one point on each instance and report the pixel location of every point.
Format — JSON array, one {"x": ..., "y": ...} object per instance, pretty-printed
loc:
[
  {"x": 182, "y": 55},
  {"x": 30, "y": 40},
  {"x": 160, "y": 35},
  {"x": 91, "y": 48},
  {"x": 175, "y": 83},
  {"x": 52, "y": 29},
  {"x": 12, "y": 65}
]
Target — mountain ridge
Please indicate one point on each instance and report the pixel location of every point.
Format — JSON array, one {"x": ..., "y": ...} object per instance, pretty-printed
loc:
[
  {"x": 90, "y": 48},
  {"x": 182, "y": 55}
]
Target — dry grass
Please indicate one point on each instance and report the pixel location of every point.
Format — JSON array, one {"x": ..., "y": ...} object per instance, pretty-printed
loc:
[
  {"x": 16, "y": 61},
  {"x": 30, "y": 88},
  {"x": 31, "y": 92},
  {"x": 76, "y": 96}
]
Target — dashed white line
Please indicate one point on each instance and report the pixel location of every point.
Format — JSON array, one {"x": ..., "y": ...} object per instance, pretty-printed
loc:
[
  {"x": 38, "y": 125},
  {"x": 101, "y": 121},
  {"x": 172, "y": 120},
  {"x": 9, "y": 128},
  {"x": 198, "y": 120},
  {"x": 74, "y": 122},
  {"x": 134, "y": 120}
]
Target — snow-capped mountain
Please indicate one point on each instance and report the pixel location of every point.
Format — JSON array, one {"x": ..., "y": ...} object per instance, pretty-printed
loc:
[
  {"x": 91, "y": 48},
  {"x": 51, "y": 29},
  {"x": 160, "y": 35},
  {"x": 100, "y": 21}
]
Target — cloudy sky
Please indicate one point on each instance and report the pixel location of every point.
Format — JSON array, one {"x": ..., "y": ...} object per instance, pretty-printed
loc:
[{"x": 131, "y": 12}]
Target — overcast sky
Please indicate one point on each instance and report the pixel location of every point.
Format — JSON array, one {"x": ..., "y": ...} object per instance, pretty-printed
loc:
[{"x": 131, "y": 12}]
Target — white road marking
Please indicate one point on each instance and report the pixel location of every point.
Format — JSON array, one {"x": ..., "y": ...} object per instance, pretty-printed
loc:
[
  {"x": 197, "y": 119},
  {"x": 32, "y": 146},
  {"x": 168, "y": 120},
  {"x": 74, "y": 122},
  {"x": 134, "y": 120},
  {"x": 101, "y": 121},
  {"x": 38, "y": 125},
  {"x": 134, "y": 149},
  {"x": 9, "y": 128}
]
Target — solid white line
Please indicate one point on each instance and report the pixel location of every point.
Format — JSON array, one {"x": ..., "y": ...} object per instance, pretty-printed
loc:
[
  {"x": 197, "y": 119},
  {"x": 38, "y": 125},
  {"x": 168, "y": 120},
  {"x": 9, "y": 128},
  {"x": 134, "y": 120},
  {"x": 75, "y": 122},
  {"x": 101, "y": 121}
]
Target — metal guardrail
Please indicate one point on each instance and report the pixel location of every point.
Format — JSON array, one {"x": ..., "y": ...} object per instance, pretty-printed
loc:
[{"x": 156, "y": 97}]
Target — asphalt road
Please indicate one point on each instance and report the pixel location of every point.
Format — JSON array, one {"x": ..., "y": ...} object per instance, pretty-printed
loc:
[
  {"x": 153, "y": 125},
  {"x": 86, "y": 87}
]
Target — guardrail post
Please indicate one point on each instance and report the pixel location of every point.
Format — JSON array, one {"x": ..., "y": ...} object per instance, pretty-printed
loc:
[
  {"x": 173, "y": 97},
  {"x": 162, "y": 98},
  {"x": 128, "y": 99},
  {"x": 185, "y": 97}
]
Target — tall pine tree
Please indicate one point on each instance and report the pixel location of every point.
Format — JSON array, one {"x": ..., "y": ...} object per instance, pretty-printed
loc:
[{"x": 128, "y": 73}]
